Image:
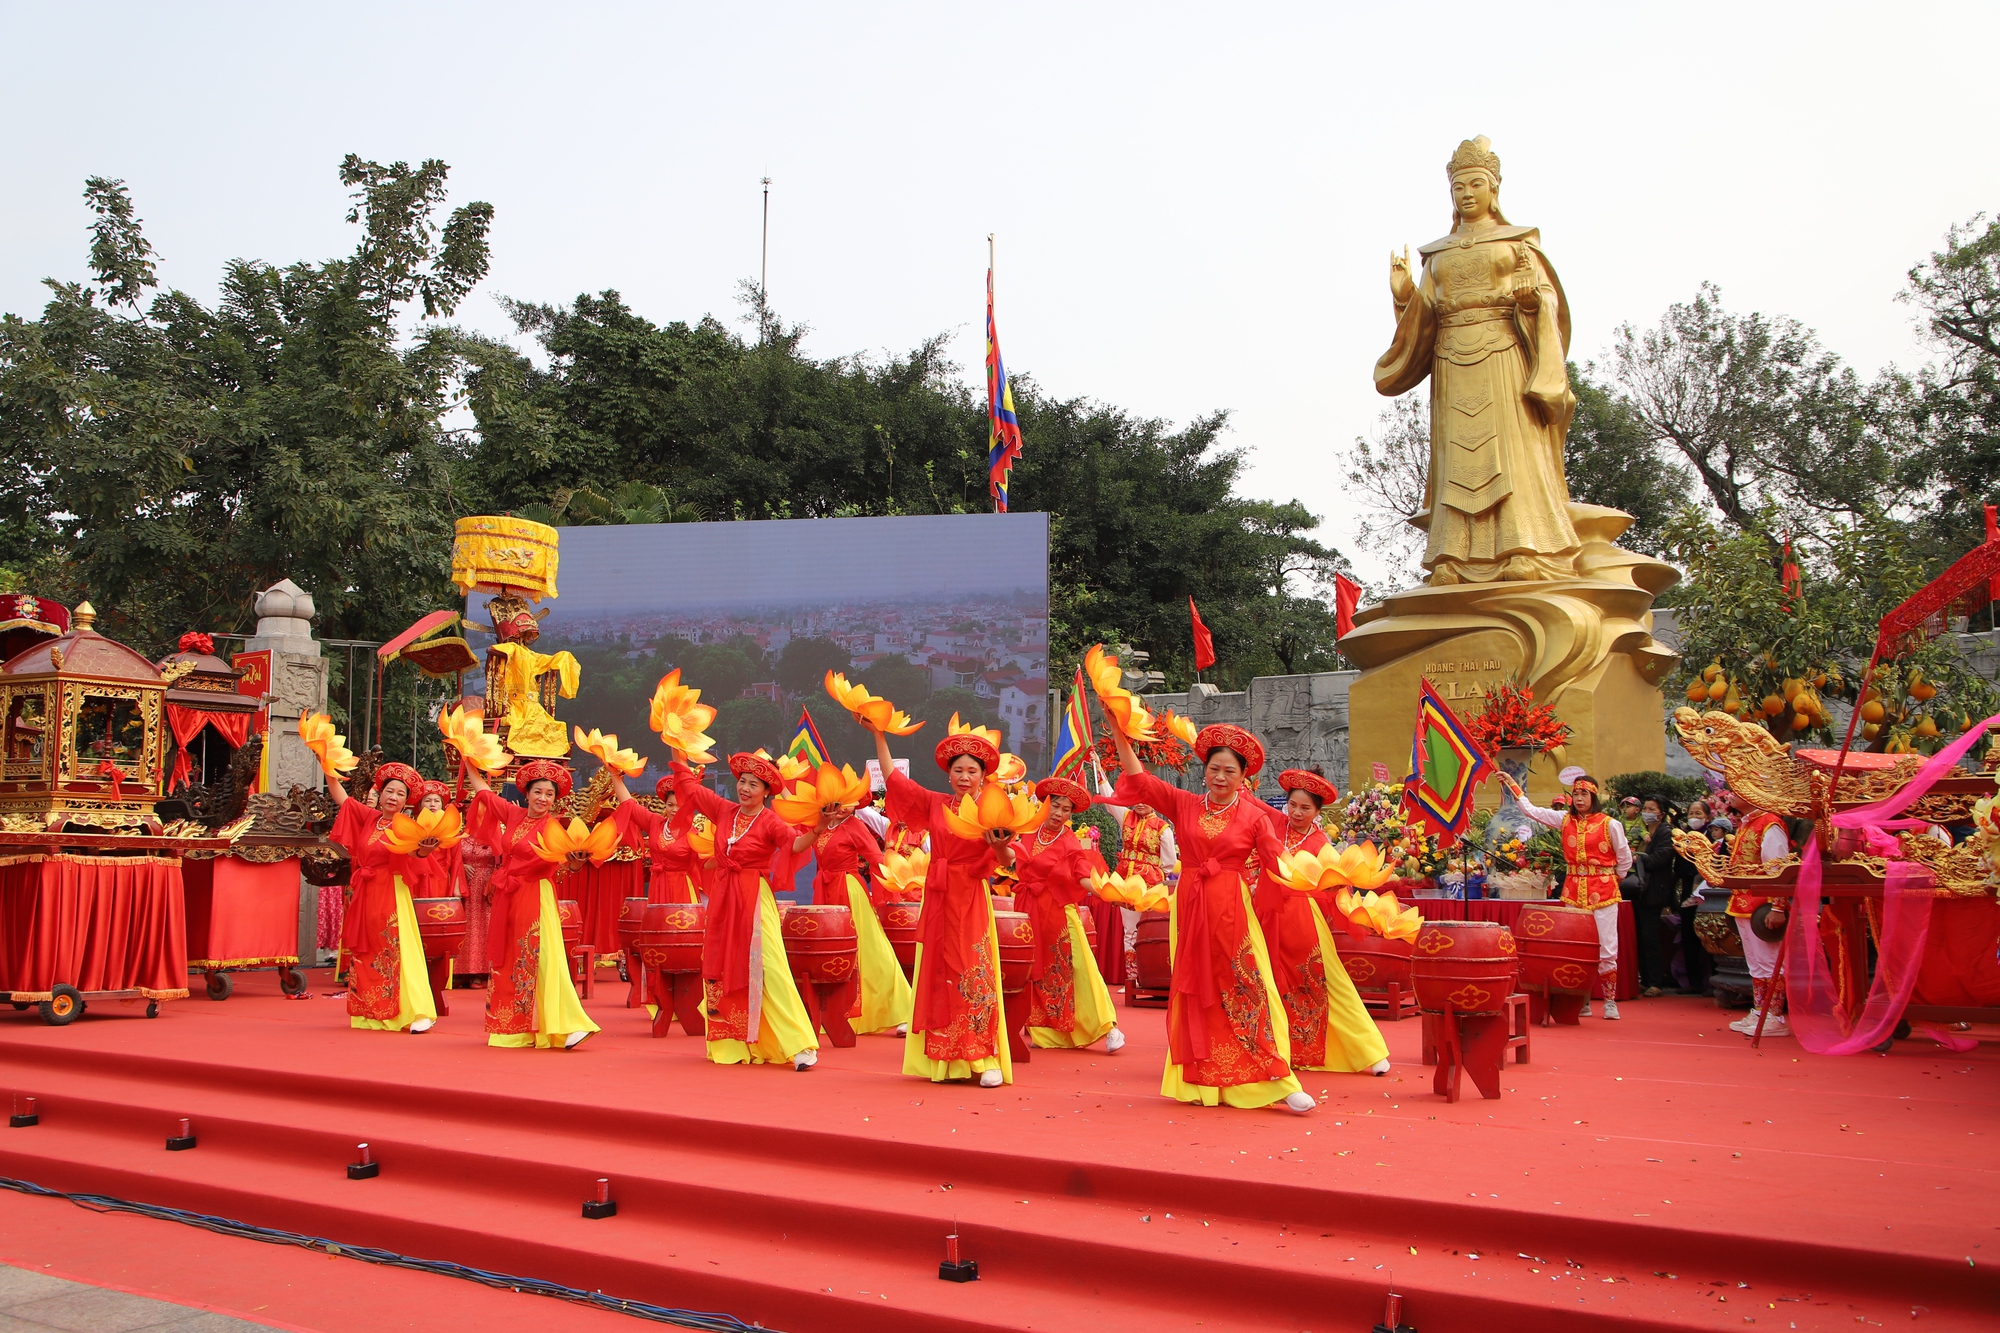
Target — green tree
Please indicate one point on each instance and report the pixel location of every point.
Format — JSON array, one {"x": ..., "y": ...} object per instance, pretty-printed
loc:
[
  {"x": 1610, "y": 458},
  {"x": 1954, "y": 406},
  {"x": 803, "y": 664}
]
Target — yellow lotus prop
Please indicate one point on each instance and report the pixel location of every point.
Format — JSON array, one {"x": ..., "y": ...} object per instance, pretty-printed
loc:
[
  {"x": 701, "y": 837},
  {"x": 596, "y": 743},
  {"x": 1182, "y": 729},
  {"x": 1013, "y": 769},
  {"x": 1362, "y": 867},
  {"x": 1377, "y": 913},
  {"x": 903, "y": 872},
  {"x": 573, "y": 842},
  {"x": 830, "y": 787},
  {"x": 466, "y": 733},
  {"x": 874, "y": 713},
  {"x": 442, "y": 829},
  {"x": 682, "y": 719},
  {"x": 994, "y": 810},
  {"x": 335, "y": 759},
  {"x": 1120, "y": 704},
  {"x": 790, "y": 767},
  {"x": 1128, "y": 891}
]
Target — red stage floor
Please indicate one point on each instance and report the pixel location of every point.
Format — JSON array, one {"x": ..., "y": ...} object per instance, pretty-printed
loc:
[{"x": 1639, "y": 1171}]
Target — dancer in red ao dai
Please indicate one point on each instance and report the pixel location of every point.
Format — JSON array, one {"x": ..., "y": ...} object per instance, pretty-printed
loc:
[
  {"x": 1069, "y": 1005},
  {"x": 755, "y": 1013},
  {"x": 1596, "y": 856},
  {"x": 530, "y": 1000},
  {"x": 1227, "y": 1040},
  {"x": 1330, "y": 1026},
  {"x": 956, "y": 1028},
  {"x": 678, "y": 875},
  {"x": 446, "y": 866},
  {"x": 388, "y": 986},
  {"x": 1145, "y": 849}
]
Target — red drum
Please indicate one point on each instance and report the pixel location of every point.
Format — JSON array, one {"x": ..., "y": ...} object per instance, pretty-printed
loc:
[
  {"x": 1465, "y": 967},
  {"x": 1089, "y": 919},
  {"x": 572, "y": 923},
  {"x": 1155, "y": 953},
  {"x": 1003, "y": 902},
  {"x": 669, "y": 938},
  {"x": 1017, "y": 949},
  {"x": 1558, "y": 947},
  {"x": 631, "y": 916},
  {"x": 442, "y": 923},
  {"x": 1375, "y": 964},
  {"x": 820, "y": 943},
  {"x": 899, "y": 923}
]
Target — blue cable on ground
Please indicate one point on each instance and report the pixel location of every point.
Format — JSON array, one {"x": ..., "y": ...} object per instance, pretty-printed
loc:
[{"x": 659, "y": 1314}]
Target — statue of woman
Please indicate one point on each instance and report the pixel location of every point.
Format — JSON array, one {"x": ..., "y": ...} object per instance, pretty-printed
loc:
[{"x": 1489, "y": 325}]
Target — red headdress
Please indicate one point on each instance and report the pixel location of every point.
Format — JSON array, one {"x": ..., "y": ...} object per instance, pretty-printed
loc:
[
  {"x": 441, "y": 790},
  {"x": 413, "y": 781},
  {"x": 1300, "y": 779},
  {"x": 760, "y": 768},
  {"x": 664, "y": 787},
  {"x": 1079, "y": 799},
  {"x": 1222, "y": 736},
  {"x": 982, "y": 743},
  {"x": 536, "y": 770}
]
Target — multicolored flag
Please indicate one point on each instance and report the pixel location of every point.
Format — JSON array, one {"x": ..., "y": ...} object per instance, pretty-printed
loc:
[
  {"x": 806, "y": 743},
  {"x": 1074, "y": 743},
  {"x": 1204, "y": 642},
  {"x": 1446, "y": 767},
  {"x": 1003, "y": 429}
]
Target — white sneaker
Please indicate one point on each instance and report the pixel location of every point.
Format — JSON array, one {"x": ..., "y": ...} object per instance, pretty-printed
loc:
[
  {"x": 574, "y": 1040},
  {"x": 1114, "y": 1043},
  {"x": 1746, "y": 1024},
  {"x": 1300, "y": 1102},
  {"x": 1775, "y": 1026},
  {"x": 1611, "y": 1008},
  {"x": 1379, "y": 1068},
  {"x": 902, "y": 1029},
  {"x": 423, "y": 1025},
  {"x": 1586, "y": 1009},
  {"x": 992, "y": 1078},
  {"x": 805, "y": 1060}
]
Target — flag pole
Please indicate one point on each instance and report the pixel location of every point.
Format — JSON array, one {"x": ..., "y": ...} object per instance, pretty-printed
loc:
[
  {"x": 991, "y": 263},
  {"x": 764, "y": 265}
]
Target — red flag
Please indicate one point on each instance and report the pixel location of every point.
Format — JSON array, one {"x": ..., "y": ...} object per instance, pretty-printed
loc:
[
  {"x": 1204, "y": 642},
  {"x": 1992, "y": 535},
  {"x": 1788, "y": 577},
  {"x": 1346, "y": 596}
]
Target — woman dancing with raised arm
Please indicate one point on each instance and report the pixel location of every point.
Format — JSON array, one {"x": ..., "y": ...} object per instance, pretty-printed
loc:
[
  {"x": 956, "y": 1028},
  {"x": 388, "y": 986},
  {"x": 677, "y": 873},
  {"x": 1331, "y": 1029},
  {"x": 755, "y": 1015},
  {"x": 530, "y": 999},
  {"x": 1227, "y": 1041},
  {"x": 1069, "y": 1005}
]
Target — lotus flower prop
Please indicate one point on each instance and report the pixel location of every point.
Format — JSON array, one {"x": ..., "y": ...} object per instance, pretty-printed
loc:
[
  {"x": 682, "y": 719},
  {"x": 876, "y": 714},
  {"x": 596, "y": 743},
  {"x": 1128, "y": 891},
  {"x": 903, "y": 873},
  {"x": 1182, "y": 729},
  {"x": 1120, "y": 704},
  {"x": 335, "y": 759},
  {"x": 442, "y": 829},
  {"x": 572, "y": 842},
  {"x": 806, "y": 802},
  {"x": 1361, "y": 867},
  {"x": 1013, "y": 769},
  {"x": 1377, "y": 913},
  {"x": 466, "y": 733},
  {"x": 994, "y": 809},
  {"x": 790, "y": 767},
  {"x": 701, "y": 837}
]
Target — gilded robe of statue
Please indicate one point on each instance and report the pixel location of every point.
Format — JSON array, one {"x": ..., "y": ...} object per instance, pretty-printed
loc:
[
  {"x": 516, "y": 689},
  {"x": 1496, "y": 501}
]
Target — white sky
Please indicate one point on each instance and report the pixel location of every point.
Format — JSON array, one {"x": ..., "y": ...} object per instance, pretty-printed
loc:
[{"x": 1194, "y": 203}]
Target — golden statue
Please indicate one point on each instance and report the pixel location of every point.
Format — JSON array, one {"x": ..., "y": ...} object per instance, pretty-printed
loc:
[
  {"x": 522, "y": 686},
  {"x": 1523, "y": 583}
]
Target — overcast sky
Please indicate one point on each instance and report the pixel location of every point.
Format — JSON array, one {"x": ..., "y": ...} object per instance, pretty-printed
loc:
[{"x": 1194, "y": 204}]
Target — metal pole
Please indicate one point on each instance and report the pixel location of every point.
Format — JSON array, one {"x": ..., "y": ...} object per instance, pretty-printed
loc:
[{"x": 764, "y": 266}]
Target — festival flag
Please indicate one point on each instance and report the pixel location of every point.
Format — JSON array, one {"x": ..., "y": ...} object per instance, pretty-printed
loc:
[
  {"x": 1446, "y": 767},
  {"x": 1346, "y": 597},
  {"x": 1788, "y": 578},
  {"x": 1204, "y": 642},
  {"x": 1074, "y": 743},
  {"x": 1992, "y": 535},
  {"x": 1003, "y": 428},
  {"x": 806, "y": 743}
]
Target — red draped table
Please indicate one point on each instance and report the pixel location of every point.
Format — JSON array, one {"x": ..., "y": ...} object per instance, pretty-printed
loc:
[
  {"x": 1508, "y": 910},
  {"x": 97, "y": 923},
  {"x": 241, "y": 914}
]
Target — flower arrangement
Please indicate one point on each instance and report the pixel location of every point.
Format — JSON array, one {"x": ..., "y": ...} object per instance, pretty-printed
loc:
[
  {"x": 1513, "y": 720},
  {"x": 1373, "y": 814},
  {"x": 1160, "y": 752}
]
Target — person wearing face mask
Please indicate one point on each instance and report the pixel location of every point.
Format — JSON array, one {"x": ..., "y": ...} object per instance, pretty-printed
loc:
[
  {"x": 530, "y": 1000},
  {"x": 388, "y": 986},
  {"x": 1695, "y": 962},
  {"x": 1223, "y": 1045},
  {"x": 1654, "y": 870},
  {"x": 1595, "y": 856}
]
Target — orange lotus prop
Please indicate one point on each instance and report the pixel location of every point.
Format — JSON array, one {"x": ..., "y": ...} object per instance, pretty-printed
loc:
[
  {"x": 682, "y": 719},
  {"x": 701, "y": 837},
  {"x": 1120, "y": 704},
  {"x": 605, "y": 748},
  {"x": 830, "y": 788},
  {"x": 903, "y": 872},
  {"x": 441, "y": 829},
  {"x": 466, "y": 733},
  {"x": 572, "y": 842},
  {"x": 1361, "y": 867},
  {"x": 1367, "y": 914},
  {"x": 328, "y": 745},
  {"x": 1128, "y": 891},
  {"x": 874, "y": 713},
  {"x": 994, "y": 810},
  {"x": 1182, "y": 729}
]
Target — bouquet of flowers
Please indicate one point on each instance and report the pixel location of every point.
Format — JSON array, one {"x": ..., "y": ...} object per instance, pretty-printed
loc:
[
  {"x": 1373, "y": 814},
  {"x": 1513, "y": 720}
]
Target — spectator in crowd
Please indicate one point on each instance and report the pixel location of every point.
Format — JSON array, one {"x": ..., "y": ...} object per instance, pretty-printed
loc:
[
  {"x": 1652, "y": 886},
  {"x": 1696, "y": 966},
  {"x": 1628, "y": 815}
]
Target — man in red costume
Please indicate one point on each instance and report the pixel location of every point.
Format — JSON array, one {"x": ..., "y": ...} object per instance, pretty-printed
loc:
[
  {"x": 1596, "y": 856},
  {"x": 1761, "y": 838},
  {"x": 1146, "y": 849}
]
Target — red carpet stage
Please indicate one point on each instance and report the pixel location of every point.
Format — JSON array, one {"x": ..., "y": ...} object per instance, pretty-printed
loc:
[{"x": 1655, "y": 1171}]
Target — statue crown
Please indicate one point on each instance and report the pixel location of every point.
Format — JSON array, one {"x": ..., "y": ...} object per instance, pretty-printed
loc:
[{"x": 1474, "y": 153}]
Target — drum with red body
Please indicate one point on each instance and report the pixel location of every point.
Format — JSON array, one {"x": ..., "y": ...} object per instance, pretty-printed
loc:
[
  {"x": 670, "y": 937},
  {"x": 1558, "y": 947},
  {"x": 631, "y": 916},
  {"x": 1154, "y": 951},
  {"x": 1374, "y": 964},
  {"x": 1016, "y": 932},
  {"x": 1465, "y": 967},
  {"x": 442, "y": 923},
  {"x": 572, "y": 922},
  {"x": 820, "y": 943},
  {"x": 899, "y": 923},
  {"x": 1003, "y": 902}
]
